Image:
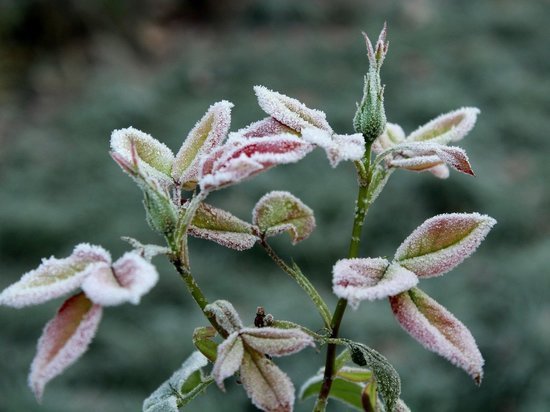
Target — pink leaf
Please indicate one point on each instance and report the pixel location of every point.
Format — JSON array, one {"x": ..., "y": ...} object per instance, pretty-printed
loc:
[
  {"x": 443, "y": 242},
  {"x": 337, "y": 147},
  {"x": 269, "y": 388},
  {"x": 446, "y": 128},
  {"x": 276, "y": 342},
  {"x": 230, "y": 356},
  {"x": 64, "y": 340},
  {"x": 266, "y": 127},
  {"x": 393, "y": 135},
  {"x": 289, "y": 111},
  {"x": 369, "y": 279},
  {"x": 127, "y": 281},
  {"x": 207, "y": 134},
  {"x": 234, "y": 162},
  {"x": 438, "y": 330},
  {"x": 54, "y": 277}
]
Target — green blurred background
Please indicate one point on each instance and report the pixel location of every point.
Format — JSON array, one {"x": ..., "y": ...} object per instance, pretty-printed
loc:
[{"x": 72, "y": 71}]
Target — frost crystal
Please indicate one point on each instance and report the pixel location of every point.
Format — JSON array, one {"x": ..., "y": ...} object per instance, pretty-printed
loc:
[
  {"x": 438, "y": 330},
  {"x": 448, "y": 127},
  {"x": 230, "y": 357},
  {"x": 266, "y": 127},
  {"x": 392, "y": 136},
  {"x": 369, "y": 279},
  {"x": 337, "y": 147},
  {"x": 276, "y": 342}
]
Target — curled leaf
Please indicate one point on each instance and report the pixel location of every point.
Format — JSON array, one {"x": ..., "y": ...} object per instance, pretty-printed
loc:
[
  {"x": 207, "y": 134},
  {"x": 229, "y": 358},
  {"x": 369, "y": 279},
  {"x": 443, "y": 242},
  {"x": 438, "y": 330},
  {"x": 278, "y": 212},
  {"x": 222, "y": 227},
  {"x": 225, "y": 314},
  {"x": 64, "y": 339},
  {"x": 448, "y": 127},
  {"x": 54, "y": 277},
  {"x": 276, "y": 342},
  {"x": 337, "y": 147},
  {"x": 289, "y": 111}
]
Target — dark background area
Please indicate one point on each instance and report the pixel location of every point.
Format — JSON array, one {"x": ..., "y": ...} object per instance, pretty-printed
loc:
[{"x": 72, "y": 71}]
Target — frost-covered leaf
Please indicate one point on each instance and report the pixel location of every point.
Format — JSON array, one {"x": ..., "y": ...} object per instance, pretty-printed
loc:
[
  {"x": 64, "y": 339},
  {"x": 153, "y": 157},
  {"x": 401, "y": 406},
  {"x": 446, "y": 128},
  {"x": 385, "y": 374},
  {"x": 278, "y": 212},
  {"x": 289, "y": 111},
  {"x": 128, "y": 280},
  {"x": 338, "y": 147},
  {"x": 392, "y": 136},
  {"x": 54, "y": 277},
  {"x": 207, "y": 134},
  {"x": 222, "y": 227},
  {"x": 182, "y": 387},
  {"x": 438, "y": 330},
  {"x": 262, "y": 128},
  {"x": 276, "y": 342},
  {"x": 146, "y": 251},
  {"x": 229, "y": 359},
  {"x": 269, "y": 388},
  {"x": 225, "y": 314},
  {"x": 341, "y": 390},
  {"x": 202, "y": 339},
  {"x": 354, "y": 374},
  {"x": 239, "y": 160},
  {"x": 369, "y": 279},
  {"x": 442, "y": 242}
]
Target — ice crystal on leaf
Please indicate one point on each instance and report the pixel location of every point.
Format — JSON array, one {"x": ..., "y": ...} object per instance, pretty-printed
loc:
[
  {"x": 262, "y": 128},
  {"x": 442, "y": 242},
  {"x": 438, "y": 330},
  {"x": 369, "y": 279},
  {"x": 337, "y": 147},
  {"x": 446, "y": 128}
]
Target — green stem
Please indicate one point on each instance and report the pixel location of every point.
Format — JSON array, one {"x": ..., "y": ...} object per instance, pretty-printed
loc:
[{"x": 302, "y": 281}]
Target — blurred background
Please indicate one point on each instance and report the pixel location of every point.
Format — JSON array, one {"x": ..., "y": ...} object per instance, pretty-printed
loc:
[{"x": 72, "y": 71}]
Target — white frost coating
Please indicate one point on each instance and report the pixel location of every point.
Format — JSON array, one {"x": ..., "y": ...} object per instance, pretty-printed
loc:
[
  {"x": 226, "y": 315},
  {"x": 448, "y": 127},
  {"x": 54, "y": 277},
  {"x": 156, "y": 158},
  {"x": 442, "y": 242},
  {"x": 276, "y": 342},
  {"x": 438, "y": 330},
  {"x": 207, "y": 134},
  {"x": 232, "y": 240},
  {"x": 289, "y": 111},
  {"x": 369, "y": 279},
  {"x": 262, "y": 128},
  {"x": 401, "y": 406},
  {"x": 164, "y": 399},
  {"x": 393, "y": 135},
  {"x": 229, "y": 359},
  {"x": 64, "y": 339},
  {"x": 440, "y": 171},
  {"x": 337, "y": 147},
  {"x": 128, "y": 280}
]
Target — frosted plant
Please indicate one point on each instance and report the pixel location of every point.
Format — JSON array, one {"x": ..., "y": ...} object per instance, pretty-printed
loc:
[{"x": 175, "y": 190}]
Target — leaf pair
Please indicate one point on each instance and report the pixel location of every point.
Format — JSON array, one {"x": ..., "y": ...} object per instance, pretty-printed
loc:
[{"x": 66, "y": 337}]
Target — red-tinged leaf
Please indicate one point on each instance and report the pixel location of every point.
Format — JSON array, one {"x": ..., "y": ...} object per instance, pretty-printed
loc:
[
  {"x": 392, "y": 136},
  {"x": 278, "y": 212},
  {"x": 262, "y": 128},
  {"x": 289, "y": 111},
  {"x": 369, "y": 279},
  {"x": 239, "y": 160},
  {"x": 417, "y": 163},
  {"x": 229, "y": 359},
  {"x": 443, "y": 242},
  {"x": 128, "y": 280},
  {"x": 222, "y": 227},
  {"x": 276, "y": 342},
  {"x": 438, "y": 330},
  {"x": 456, "y": 158},
  {"x": 207, "y": 134},
  {"x": 269, "y": 388},
  {"x": 225, "y": 314},
  {"x": 337, "y": 147},
  {"x": 64, "y": 340},
  {"x": 440, "y": 171},
  {"x": 54, "y": 277},
  {"x": 446, "y": 128}
]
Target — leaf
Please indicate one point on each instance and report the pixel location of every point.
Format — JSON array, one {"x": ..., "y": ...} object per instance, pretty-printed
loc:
[
  {"x": 276, "y": 342},
  {"x": 202, "y": 339},
  {"x": 149, "y": 251},
  {"x": 354, "y": 374},
  {"x": 337, "y": 147},
  {"x": 222, "y": 227},
  {"x": 446, "y": 128},
  {"x": 441, "y": 243},
  {"x": 344, "y": 391},
  {"x": 64, "y": 339},
  {"x": 54, "y": 277},
  {"x": 289, "y": 111},
  {"x": 239, "y": 160},
  {"x": 269, "y": 388},
  {"x": 182, "y": 387},
  {"x": 265, "y": 127},
  {"x": 225, "y": 314},
  {"x": 128, "y": 280},
  {"x": 369, "y": 279},
  {"x": 207, "y": 134},
  {"x": 392, "y": 136},
  {"x": 438, "y": 330},
  {"x": 278, "y": 212},
  {"x": 229, "y": 358},
  {"x": 385, "y": 374}
]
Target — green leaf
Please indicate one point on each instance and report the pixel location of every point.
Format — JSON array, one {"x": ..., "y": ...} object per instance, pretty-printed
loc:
[
  {"x": 353, "y": 374},
  {"x": 202, "y": 339},
  {"x": 341, "y": 390},
  {"x": 278, "y": 212},
  {"x": 385, "y": 374}
]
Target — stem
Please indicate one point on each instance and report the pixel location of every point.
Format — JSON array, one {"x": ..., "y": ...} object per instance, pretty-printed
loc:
[
  {"x": 302, "y": 281},
  {"x": 361, "y": 209}
]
